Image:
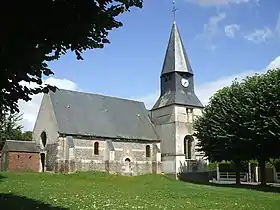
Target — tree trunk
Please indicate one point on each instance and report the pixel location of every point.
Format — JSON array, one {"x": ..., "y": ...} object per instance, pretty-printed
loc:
[
  {"x": 237, "y": 166},
  {"x": 262, "y": 169}
]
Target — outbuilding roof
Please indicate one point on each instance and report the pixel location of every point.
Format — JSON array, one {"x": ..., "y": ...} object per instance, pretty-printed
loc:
[{"x": 20, "y": 146}]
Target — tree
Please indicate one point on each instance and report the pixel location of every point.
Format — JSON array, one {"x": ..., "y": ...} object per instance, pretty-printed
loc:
[
  {"x": 243, "y": 122},
  {"x": 263, "y": 122},
  {"x": 27, "y": 136},
  {"x": 220, "y": 129},
  {"x": 11, "y": 129},
  {"x": 34, "y": 33}
]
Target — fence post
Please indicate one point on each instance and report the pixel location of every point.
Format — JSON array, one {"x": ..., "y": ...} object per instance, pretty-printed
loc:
[
  {"x": 249, "y": 174},
  {"x": 218, "y": 172},
  {"x": 257, "y": 173},
  {"x": 274, "y": 174}
]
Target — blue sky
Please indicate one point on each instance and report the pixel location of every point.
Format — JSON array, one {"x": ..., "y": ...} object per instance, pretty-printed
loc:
[{"x": 223, "y": 39}]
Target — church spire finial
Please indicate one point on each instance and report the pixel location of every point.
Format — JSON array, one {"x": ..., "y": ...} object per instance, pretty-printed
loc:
[{"x": 174, "y": 9}]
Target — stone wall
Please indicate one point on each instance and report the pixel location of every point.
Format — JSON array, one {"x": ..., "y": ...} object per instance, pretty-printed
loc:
[
  {"x": 51, "y": 152},
  {"x": 114, "y": 157},
  {"x": 173, "y": 125},
  {"x": 113, "y": 167},
  {"x": 137, "y": 168},
  {"x": 46, "y": 122},
  {"x": 93, "y": 165},
  {"x": 133, "y": 151},
  {"x": 196, "y": 177}
]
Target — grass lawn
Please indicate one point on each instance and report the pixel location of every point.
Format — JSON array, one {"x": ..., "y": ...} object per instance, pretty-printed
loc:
[{"x": 30, "y": 191}]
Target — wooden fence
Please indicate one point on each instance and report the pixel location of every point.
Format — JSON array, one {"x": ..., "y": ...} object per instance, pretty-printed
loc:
[
  {"x": 277, "y": 176},
  {"x": 231, "y": 176}
]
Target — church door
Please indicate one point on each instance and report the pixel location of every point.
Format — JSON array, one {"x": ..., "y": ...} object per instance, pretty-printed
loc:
[
  {"x": 127, "y": 165},
  {"x": 43, "y": 161}
]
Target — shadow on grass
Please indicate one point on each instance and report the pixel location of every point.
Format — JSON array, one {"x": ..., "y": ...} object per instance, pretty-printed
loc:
[
  {"x": 266, "y": 188},
  {"x": 15, "y": 202},
  {"x": 2, "y": 177}
]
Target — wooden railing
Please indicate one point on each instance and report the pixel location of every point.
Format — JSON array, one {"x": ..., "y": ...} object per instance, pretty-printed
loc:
[
  {"x": 231, "y": 176},
  {"x": 277, "y": 176}
]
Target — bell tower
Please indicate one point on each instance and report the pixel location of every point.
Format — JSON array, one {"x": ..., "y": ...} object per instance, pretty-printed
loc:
[{"x": 177, "y": 107}]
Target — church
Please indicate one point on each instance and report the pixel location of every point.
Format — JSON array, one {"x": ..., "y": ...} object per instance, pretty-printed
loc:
[{"x": 78, "y": 131}]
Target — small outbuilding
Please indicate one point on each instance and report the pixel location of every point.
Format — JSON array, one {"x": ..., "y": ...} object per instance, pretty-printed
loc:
[{"x": 21, "y": 156}]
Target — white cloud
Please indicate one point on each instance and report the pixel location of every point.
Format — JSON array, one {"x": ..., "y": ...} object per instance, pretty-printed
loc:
[
  {"x": 211, "y": 29},
  {"x": 222, "y": 2},
  {"x": 231, "y": 30},
  {"x": 274, "y": 64},
  {"x": 30, "y": 109},
  {"x": 260, "y": 35},
  {"x": 264, "y": 34},
  {"x": 205, "y": 91}
]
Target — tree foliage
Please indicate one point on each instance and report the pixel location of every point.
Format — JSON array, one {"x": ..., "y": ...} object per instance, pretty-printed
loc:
[
  {"x": 263, "y": 101},
  {"x": 221, "y": 125},
  {"x": 242, "y": 121},
  {"x": 263, "y": 122},
  {"x": 34, "y": 33},
  {"x": 10, "y": 129}
]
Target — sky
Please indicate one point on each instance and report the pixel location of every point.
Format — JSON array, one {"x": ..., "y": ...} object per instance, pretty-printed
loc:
[{"x": 224, "y": 40}]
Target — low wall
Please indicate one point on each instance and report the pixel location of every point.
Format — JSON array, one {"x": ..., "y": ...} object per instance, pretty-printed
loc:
[
  {"x": 197, "y": 177},
  {"x": 114, "y": 167}
]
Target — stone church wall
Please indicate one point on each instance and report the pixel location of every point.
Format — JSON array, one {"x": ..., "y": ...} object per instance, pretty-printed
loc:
[
  {"x": 83, "y": 158},
  {"x": 137, "y": 168},
  {"x": 51, "y": 151},
  {"x": 135, "y": 152},
  {"x": 174, "y": 125},
  {"x": 110, "y": 159}
]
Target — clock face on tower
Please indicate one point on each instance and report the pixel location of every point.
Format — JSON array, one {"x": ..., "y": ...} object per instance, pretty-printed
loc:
[{"x": 184, "y": 82}]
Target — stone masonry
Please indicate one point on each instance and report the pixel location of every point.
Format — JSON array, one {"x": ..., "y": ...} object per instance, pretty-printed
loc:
[{"x": 82, "y": 157}]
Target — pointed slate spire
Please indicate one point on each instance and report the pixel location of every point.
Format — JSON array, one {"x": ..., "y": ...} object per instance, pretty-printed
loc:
[{"x": 176, "y": 59}]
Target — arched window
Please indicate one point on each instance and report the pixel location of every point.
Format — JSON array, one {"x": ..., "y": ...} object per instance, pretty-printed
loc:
[
  {"x": 188, "y": 141},
  {"x": 148, "y": 151},
  {"x": 96, "y": 148},
  {"x": 189, "y": 148},
  {"x": 44, "y": 138},
  {"x": 185, "y": 145}
]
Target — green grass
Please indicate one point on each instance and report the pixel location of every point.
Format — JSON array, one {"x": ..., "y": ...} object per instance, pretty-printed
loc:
[{"x": 30, "y": 191}]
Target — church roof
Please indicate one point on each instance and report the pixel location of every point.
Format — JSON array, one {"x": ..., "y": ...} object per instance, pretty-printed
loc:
[
  {"x": 179, "y": 98},
  {"x": 176, "y": 58},
  {"x": 21, "y": 146},
  {"x": 88, "y": 114}
]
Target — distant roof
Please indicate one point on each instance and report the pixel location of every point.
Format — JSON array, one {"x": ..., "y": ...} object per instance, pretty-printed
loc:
[
  {"x": 21, "y": 146},
  {"x": 176, "y": 59},
  {"x": 88, "y": 114}
]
